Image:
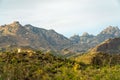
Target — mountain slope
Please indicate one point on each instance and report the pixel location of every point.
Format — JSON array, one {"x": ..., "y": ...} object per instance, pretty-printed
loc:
[
  {"x": 108, "y": 46},
  {"x": 15, "y": 34},
  {"x": 107, "y": 52}
]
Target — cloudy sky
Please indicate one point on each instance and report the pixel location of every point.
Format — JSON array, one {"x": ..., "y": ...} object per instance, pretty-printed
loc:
[{"x": 67, "y": 17}]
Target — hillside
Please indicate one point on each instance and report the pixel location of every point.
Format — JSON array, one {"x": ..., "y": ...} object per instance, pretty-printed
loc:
[
  {"x": 36, "y": 65},
  {"x": 108, "y": 52},
  {"x": 109, "y": 46}
]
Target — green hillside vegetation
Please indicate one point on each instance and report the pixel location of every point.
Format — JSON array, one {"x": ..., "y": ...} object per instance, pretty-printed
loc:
[
  {"x": 98, "y": 58},
  {"x": 36, "y": 65}
]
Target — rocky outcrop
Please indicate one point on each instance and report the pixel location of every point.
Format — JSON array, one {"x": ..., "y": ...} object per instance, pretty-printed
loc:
[{"x": 109, "y": 32}]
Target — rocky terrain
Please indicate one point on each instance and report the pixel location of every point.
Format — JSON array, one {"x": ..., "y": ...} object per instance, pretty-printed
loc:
[{"x": 15, "y": 34}]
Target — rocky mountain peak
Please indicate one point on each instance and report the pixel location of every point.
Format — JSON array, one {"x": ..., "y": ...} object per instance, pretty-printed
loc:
[
  {"x": 15, "y": 23},
  {"x": 85, "y": 34},
  {"x": 10, "y": 29},
  {"x": 111, "y": 30}
]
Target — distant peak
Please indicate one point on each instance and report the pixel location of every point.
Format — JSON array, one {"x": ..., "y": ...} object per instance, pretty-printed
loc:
[
  {"x": 85, "y": 34},
  {"x": 112, "y": 27},
  {"x": 15, "y": 23},
  {"x": 110, "y": 30}
]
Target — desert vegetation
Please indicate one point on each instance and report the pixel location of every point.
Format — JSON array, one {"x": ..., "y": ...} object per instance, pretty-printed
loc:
[{"x": 36, "y": 65}]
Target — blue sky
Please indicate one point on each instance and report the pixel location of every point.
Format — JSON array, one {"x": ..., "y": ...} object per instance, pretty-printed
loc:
[{"x": 67, "y": 17}]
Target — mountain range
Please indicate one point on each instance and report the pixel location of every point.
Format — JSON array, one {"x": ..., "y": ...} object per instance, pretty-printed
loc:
[
  {"x": 17, "y": 35},
  {"x": 87, "y": 41}
]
